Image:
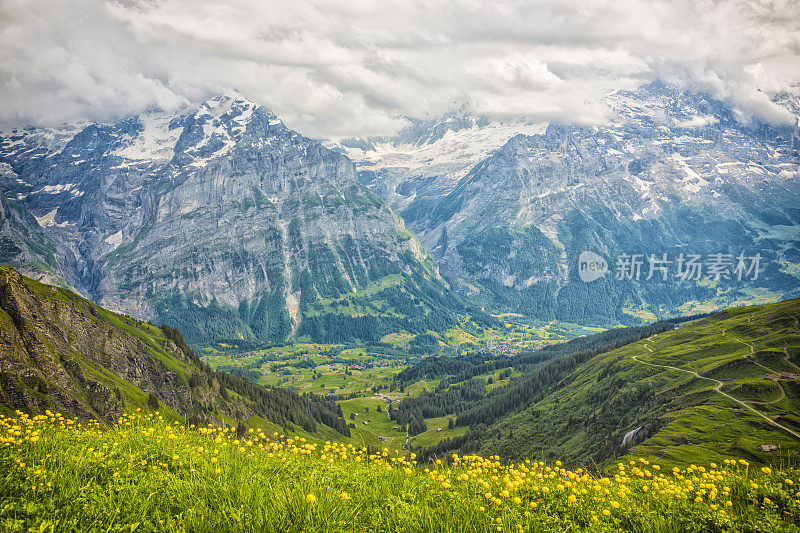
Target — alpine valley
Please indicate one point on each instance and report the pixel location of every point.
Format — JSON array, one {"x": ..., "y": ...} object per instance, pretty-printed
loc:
[
  {"x": 246, "y": 315},
  {"x": 287, "y": 261}
]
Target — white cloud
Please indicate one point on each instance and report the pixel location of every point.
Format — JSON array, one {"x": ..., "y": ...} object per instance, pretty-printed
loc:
[{"x": 333, "y": 68}]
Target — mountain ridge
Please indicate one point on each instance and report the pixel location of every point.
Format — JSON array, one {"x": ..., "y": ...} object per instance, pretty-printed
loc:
[
  {"x": 696, "y": 389},
  {"x": 224, "y": 222},
  {"x": 673, "y": 172}
]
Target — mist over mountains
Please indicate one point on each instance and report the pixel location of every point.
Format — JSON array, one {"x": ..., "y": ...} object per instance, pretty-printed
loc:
[{"x": 224, "y": 222}]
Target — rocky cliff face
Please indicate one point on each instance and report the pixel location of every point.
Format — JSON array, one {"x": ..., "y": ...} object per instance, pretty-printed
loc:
[
  {"x": 221, "y": 221},
  {"x": 48, "y": 341},
  {"x": 22, "y": 241},
  {"x": 61, "y": 352},
  {"x": 674, "y": 172}
]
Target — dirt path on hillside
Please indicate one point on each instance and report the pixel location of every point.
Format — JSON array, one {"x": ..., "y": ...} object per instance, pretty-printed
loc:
[
  {"x": 752, "y": 358},
  {"x": 717, "y": 388}
]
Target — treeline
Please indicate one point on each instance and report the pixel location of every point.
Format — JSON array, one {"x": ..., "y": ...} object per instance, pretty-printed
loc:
[
  {"x": 420, "y": 305},
  {"x": 332, "y": 328},
  {"x": 436, "y": 367},
  {"x": 249, "y": 374},
  {"x": 424, "y": 343},
  {"x": 481, "y": 410},
  {"x": 280, "y": 406},
  {"x": 457, "y": 369},
  {"x": 439, "y": 402},
  {"x": 248, "y": 329}
]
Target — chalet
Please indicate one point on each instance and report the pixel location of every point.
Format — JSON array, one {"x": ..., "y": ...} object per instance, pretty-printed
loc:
[
  {"x": 787, "y": 375},
  {"x": 767, "y": 448},
  {"x": 772, "y": 377}
]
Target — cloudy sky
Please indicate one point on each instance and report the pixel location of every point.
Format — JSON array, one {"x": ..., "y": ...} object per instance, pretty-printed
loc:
[{"x": 351, "y": 67}]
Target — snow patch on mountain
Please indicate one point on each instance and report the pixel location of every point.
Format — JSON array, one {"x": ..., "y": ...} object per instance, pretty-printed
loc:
[
  {"x": 115, "y": 239},
  {"x": 448, "y": 154},
  {"x": 693, "y": 181},
  {"x": 221, "y": 121},
  {"x": 48, "y": 141},
  {"x": 49, "y": 220},
  {"x": 155, "y": 142},
  {"x": 55, "y": 189}
]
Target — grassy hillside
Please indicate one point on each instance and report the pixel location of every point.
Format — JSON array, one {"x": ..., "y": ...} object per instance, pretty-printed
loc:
[
  {"x": 147, "y": 475},
  {"x": 61, "y": 352},
  {"x": 478, "y": 389},
  {"x": 694, "y": 393}
]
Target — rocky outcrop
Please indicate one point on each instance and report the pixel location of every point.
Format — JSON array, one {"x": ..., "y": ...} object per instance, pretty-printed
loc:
[{"x": 61, "y": 352}]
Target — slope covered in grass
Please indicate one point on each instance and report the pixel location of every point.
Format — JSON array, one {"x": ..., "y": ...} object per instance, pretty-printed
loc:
[
  {"x": 663, "y": 391},
  {"x": 145, "y": 474},
  {"x": 60, "y": 351}
]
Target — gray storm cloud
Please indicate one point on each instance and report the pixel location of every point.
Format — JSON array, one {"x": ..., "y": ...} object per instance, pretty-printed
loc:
[{"x": 334, "y": 69}]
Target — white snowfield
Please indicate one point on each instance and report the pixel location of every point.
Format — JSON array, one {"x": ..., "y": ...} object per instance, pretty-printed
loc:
[{"x": 49, "y": 220}]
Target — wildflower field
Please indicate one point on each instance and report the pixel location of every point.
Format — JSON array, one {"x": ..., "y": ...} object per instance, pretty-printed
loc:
[{"x": 146, "y": 474}]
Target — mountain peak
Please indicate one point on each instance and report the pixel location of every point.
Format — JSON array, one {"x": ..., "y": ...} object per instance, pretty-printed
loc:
[
  {"x": 230, "y": 103},
  {"x": 256, "y": 221},
  {"x": 208, "y": 131},
  {"x": 427, "y": 131},
  {"x": 659, "y": 103}
]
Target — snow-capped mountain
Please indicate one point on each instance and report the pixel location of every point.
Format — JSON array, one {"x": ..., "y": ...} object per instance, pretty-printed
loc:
[
  {"x": 673, "y": 172},
  {"x": 223, "y": 221},
  {"x": 219, "y": 220},
  {"x": 427, "y": 158}
]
